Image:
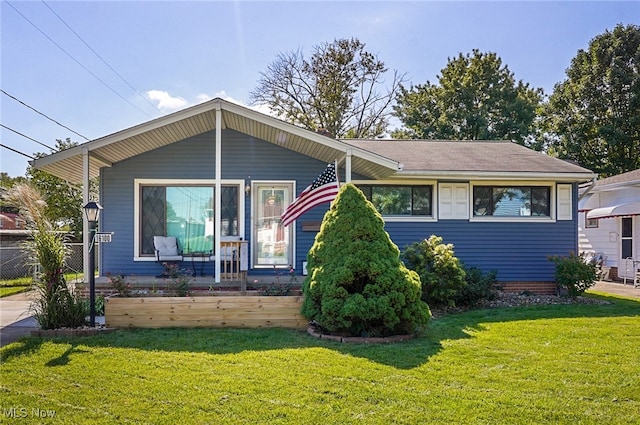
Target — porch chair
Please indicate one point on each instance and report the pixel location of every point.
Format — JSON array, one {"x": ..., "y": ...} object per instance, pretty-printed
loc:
[{"x": 166, "y": 248}]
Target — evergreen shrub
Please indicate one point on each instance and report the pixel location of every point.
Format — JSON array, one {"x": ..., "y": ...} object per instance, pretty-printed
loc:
[
  {"x": 357, "y": 284},
  {"x": 480, "y": 286}
]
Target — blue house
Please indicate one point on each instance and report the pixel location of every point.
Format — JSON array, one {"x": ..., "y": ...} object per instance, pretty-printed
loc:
[{"x": 218, "y": 174}]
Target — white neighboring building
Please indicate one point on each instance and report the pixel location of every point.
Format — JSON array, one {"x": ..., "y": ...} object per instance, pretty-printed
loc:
[{"x": 609, "y": 223}]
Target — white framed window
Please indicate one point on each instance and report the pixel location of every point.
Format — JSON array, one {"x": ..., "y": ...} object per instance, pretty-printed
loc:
[
  {"x": 590, "y": 223},
  {"x": 185, "y": 209},
  {"x": 528, "y": 201},
  {"x": 401, "y": 201}
]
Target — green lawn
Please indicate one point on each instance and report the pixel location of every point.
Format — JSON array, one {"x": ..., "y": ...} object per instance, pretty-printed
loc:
[
  {"x": 552, "y": 364},
  {"x": 15, "y": 286},
  {"x": 22, "y": 284}
]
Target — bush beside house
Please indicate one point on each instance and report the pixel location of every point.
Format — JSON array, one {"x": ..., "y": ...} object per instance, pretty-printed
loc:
[{"x": 357, "y": 284}]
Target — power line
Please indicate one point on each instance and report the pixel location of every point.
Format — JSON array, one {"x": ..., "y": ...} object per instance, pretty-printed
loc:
[
  {"x": 100, "y": 57},
  {"x": 26, "y": 137},
  {"x": 44, "y": 115},
  {"x": 77, "y": 61},
  {"x": 16, "y": 151}
]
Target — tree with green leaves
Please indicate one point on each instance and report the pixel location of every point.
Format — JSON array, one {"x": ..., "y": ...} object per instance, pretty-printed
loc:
[
  {"x": 357, "y": 284},
  {"x": 64, "y": 200},
  {"x": 340, "y": 89},
  {"x": 593, "y": 117},
  {"x": 6, "y": 183},
  {"x": 476, "y": 98}
]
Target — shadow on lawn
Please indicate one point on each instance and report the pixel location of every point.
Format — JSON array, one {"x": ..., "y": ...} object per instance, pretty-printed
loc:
[{"x": 403, "y": 355}]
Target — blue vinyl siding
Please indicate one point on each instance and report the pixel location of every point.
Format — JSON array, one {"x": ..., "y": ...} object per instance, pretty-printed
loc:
[
  {"x": 243, "y": 157},
  {"x": 518, "y": 250}
]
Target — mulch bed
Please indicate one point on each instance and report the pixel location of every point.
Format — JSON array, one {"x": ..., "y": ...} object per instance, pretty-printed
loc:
[
  {"x": 71, "y": 332},
  {"x": 508, "y": 299}
]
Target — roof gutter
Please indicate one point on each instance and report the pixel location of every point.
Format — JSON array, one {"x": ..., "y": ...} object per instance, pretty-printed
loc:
[{"x": 491, "y": 175}]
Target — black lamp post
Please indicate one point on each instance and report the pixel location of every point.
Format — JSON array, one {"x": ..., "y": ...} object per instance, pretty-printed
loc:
[{"x": 92, "y": 211}]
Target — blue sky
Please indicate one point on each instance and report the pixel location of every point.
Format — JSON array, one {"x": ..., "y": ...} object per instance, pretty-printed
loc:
[{"x": 177, "y": 54}]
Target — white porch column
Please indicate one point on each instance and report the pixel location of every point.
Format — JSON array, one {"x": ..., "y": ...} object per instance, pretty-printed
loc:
[
  {"x": 347, "y": 166},
  {"x": 218, "y": 190},
  {"x": 85, "y": 223}
]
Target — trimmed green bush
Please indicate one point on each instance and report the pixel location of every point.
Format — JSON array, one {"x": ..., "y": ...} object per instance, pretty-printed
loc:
[
  {"x": 480, "y": 286},
  {"x": 573, "y": 274},
  {"x": 441, "y": 273},
  {"x": 357, "y": 284}
]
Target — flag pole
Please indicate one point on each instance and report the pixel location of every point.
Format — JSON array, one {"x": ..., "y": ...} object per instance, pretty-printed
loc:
[{"x": 335, "y": 163}]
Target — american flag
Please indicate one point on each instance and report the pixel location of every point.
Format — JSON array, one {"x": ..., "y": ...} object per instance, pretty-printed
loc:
[{"x": 323, "y": 189}]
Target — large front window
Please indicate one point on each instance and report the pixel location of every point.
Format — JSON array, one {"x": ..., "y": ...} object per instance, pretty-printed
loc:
[
  {"x": 511, "y": 201},
  {"x": 186, "y": 212},
  {"x": 399, "y": 200}
]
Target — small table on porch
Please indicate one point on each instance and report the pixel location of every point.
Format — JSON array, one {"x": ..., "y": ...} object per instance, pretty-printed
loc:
[{"x": 201, "y": 257}]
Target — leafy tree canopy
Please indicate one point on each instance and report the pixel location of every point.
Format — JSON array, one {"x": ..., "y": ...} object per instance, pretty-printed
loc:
[
  {"x": 593, "y": 117},
  {"x": 6, "y": 183},
  {"x": 476, "y": 98},
  {"x": 64, "y": 200},
  {"x": 340, "y": 89}
]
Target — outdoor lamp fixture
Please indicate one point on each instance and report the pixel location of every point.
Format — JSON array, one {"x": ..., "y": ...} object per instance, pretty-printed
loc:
[
  {"x": 247, "y": 187},
  {"x": 92, "y": 212}
]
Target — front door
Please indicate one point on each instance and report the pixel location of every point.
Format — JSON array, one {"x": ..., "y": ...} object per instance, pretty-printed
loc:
[
  {"x": 272, "y": 243},
  {"x": 626, "y": 268}
]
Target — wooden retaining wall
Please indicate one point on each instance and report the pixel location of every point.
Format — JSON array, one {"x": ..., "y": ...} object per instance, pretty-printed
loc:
[{"x": 205, "y": 312}]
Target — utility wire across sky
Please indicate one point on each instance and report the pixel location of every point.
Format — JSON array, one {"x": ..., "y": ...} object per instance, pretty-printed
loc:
[
  {"x": 43, "y": 114},
  {"x": 100, "y": 57},
  {"x": 27, "y": 137},
  {"x": 76, "y": 60},
  {"x": 16, "y": 151}
]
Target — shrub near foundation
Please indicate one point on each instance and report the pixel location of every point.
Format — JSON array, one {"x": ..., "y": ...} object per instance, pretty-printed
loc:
[{"x": 357, "y": 284}]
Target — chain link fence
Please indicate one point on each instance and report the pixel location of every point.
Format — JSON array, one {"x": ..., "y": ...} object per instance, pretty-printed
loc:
[{"x": 16, "y": 262}]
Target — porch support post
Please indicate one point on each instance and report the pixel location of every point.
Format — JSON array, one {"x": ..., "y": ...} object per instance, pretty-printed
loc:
[
  {"x": 218, "y": 194},
  {"x": 347, "y": 166},
  {"x": 85, "y": 224}
]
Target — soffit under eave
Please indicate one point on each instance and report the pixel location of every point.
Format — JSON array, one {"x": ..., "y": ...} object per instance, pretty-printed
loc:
[{"x": 110, "y": 150}]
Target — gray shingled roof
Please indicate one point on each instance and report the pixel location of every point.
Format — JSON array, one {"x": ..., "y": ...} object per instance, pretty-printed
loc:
[
  {"x": 631, "y": 177},
  {"x": 433, "y": 156}
]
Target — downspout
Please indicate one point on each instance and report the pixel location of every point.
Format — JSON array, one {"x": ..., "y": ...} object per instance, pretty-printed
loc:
[
  {"x": 586, "y": 192},
  {"x": 218, "y": 192},
  {"x": 85, "y": 223}
]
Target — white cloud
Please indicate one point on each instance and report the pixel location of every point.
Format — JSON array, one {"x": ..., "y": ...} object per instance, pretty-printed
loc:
[
  {"x": 203, "y": 97},
  {"x": 260, "y": 108},
  {"x": 166, "y": 102}
]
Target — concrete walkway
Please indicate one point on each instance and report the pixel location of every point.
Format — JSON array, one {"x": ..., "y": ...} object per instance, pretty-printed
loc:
[
  {"x": 16, "y": 320},
  {"x": 617, "y": 288}
]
